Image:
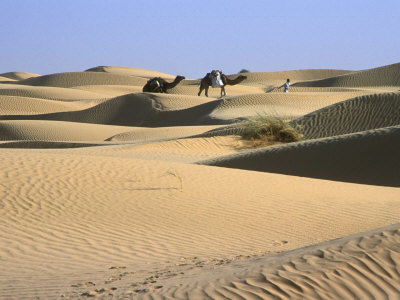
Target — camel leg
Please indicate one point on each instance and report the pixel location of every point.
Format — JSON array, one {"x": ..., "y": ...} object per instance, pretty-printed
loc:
[
  {"x": 205, "y": 91},
  {"x": 203, "y": 87},
  {"x": 223, "y": 91}
]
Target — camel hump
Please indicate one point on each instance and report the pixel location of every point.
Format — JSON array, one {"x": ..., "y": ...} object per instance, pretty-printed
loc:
[
  {"x": 156, "y": 81},
  {"x": 155, "y": 85}
]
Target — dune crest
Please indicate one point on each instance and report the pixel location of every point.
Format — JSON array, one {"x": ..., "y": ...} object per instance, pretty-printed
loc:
[
  {"x": 130, "y": 72},
  {"x": 382, "y": 76},
  {"x": 75, "y": 79},
  {"x": 18, "y": 75}
]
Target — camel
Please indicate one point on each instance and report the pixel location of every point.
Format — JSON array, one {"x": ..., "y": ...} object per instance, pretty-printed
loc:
[
  {"x": 205, "y": 83},
  {"x": 159, "y": 85}
]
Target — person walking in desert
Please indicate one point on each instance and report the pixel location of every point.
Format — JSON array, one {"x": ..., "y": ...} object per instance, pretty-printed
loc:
[{"x": 286, "y": 86}]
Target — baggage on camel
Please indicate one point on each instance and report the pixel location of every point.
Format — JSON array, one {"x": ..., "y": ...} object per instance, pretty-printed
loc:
[{"x": 216, "y": 80}]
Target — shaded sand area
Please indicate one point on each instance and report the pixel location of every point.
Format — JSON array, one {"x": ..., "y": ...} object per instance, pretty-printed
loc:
[{"x": 111, "y": 193}]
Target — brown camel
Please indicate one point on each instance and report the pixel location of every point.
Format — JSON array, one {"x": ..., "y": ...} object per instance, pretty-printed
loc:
[
  {"x": 159, "y": 85},
  {"x": 205, "y": 83}
]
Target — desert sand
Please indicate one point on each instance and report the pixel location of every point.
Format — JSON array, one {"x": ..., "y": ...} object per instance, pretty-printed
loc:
[{"x": 111, "y": 193}]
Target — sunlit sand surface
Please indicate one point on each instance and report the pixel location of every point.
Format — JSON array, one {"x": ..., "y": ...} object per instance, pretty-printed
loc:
[{"x": 111, "y": 193}]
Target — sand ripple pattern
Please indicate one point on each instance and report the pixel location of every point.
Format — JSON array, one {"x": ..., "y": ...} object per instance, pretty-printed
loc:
[
  {"x": 73, "y": 79},
  {"x": 358, "y": 114},
  {"x": 368, "y": 157},
  {"x": 50, "y": 93},
  {"x": 382, "y": 76},
  {"x": 102, "y": 195},
  {"x": 366, "y": 267}
]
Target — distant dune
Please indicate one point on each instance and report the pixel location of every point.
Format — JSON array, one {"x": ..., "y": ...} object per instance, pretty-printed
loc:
[
  {"x": 18, "y": 75},
  {"x": 109, "y": 192},
  {"x": 279, "y": 78},
  {"x": 50, "y": 93},
  {"x": 382, "y": 76},
  {"x": 130, "y": 72},
  {"x": 74, "y": 79}
]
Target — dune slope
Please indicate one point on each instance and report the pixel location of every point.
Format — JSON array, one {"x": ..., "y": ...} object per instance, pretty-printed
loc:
[
  {"x": 382, "y": 76},
  {"x": 74, "y": 79},
  {"x": 368, "y": 157},
  {"x": 68, "y": 218},
  {"x": 361, "y": 266},
  {"x": 358, "y": 114}
]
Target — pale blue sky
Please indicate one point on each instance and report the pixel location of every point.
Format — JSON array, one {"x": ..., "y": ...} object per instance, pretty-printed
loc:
[{"x": 192, "y": 37}]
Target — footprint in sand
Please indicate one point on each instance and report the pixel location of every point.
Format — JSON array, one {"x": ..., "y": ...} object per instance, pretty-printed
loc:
[
  {"x": 279, "y": 243},
  {"x": 117, "y": 268},
  {"x": 84, "y": 284},
  {"x": 112, "y": 279},
  {"x": 119, "y": 276},
  {"x": 96, "y": 292}
]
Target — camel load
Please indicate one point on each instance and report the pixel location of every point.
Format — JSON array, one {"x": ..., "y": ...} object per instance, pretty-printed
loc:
[{"x": 216, "y": 80}]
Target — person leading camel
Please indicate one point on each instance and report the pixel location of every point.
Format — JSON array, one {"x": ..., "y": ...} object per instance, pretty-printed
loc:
[
  {"x": 286, "y": 86},
  {"x": 207, "y": 81}
]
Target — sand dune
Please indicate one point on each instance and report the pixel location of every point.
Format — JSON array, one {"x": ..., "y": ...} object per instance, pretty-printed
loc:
[
  {"x": 281, "y": 105},
  {"x": 28, "y": 106},
  {"x": 5, "y": 79},
  {"x": 382, "y": 76},
  {"x": 143, "y": 135},
  {"x": 51, "y": 93},
  {"x": 38, "y": 130},
  {"x": 15, "y": 107},
  {"x": 111, "y": 90},
  {"x": 191, "y": 87},
  {"x": 40, "y": 144},
  {"x": 70, "y": 226},
  {"x": 18, "y": 75},
  {"x": 279, "y": 78},
  {"x": 153, "y": 110},
  {"x": 74, "y": 79},
  {"x": 110, "y": 193},
  {"x": 132, "y": 110},
  {"x": 362, "y": 266},
  {"x": 368, "y": 157},
  {"x": 129, "y": 110},
  {"x": 175, "y": 102},
  {"x": 186, "y": 149},
  {"x": 130, "y": 72},
  {"x": 257, "y": 82},
  {"x": 358, "y": 114}
]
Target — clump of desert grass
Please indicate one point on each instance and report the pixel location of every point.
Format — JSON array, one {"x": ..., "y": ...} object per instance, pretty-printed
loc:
[{"x": 264, "y": 130}]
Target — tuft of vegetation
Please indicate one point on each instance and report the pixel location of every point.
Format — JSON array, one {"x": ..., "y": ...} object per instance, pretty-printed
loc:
[
  {"x": 244, "y": 71},
  {"x": 265, "y": 130}
]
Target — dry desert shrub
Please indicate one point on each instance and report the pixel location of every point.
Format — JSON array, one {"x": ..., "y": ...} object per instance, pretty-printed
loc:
[{"x": 263, "y": 130}]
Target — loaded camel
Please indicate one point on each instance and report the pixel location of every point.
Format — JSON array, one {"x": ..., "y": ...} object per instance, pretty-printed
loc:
[
  {"x": 206, "y": 82},
  {"x": 159, "y": 85}
]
